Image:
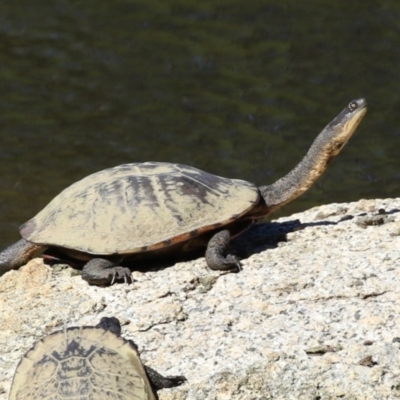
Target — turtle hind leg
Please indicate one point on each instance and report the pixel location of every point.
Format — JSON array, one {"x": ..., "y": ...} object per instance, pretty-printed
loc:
[
  {"x": 18, "y": 254},
  {"x": 217, "y": 256},
  {"x": 159, "y": 381},
  {"x": 99, "y": 271}
]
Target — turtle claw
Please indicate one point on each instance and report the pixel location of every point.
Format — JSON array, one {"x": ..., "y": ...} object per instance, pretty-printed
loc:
[
  {"x": 120, "y": 273},
  {"x": 104, "y": 272},
  {"x": 217, "y": 256},
  {"x": 234, "y": 262}
]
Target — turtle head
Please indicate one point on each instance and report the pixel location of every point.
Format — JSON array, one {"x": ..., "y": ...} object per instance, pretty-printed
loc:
[
  {"x": 111, "y": 324},
  {"x": 326, "y": 146},
  {"x": 342, "y": 127}
]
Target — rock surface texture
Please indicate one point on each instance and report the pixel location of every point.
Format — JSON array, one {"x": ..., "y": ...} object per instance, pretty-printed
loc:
[{"x": 314, "y": 314}]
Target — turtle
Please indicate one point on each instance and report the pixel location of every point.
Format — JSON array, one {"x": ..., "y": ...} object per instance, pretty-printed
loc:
[
  {"x": 87, "y": 362},
  {"x": 158, "y": 209}
]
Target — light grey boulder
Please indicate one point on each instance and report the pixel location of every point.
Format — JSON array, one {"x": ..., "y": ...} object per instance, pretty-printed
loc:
[{"x": 312, "y": 315}]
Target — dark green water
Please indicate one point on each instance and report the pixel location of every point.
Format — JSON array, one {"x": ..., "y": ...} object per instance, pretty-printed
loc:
[{"x": 239, "y": 89}]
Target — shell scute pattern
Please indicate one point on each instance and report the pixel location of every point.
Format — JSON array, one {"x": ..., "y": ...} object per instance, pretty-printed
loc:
[
  {"x": 82, "y": 364},
  {"x": 134, "y": 206}
]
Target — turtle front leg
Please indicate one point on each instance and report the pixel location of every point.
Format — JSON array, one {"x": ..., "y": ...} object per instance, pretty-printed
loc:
[
  {"x": 99, "y": 271},
  {"x": 18, "y": 254},
  {"x": 161, "y": 382},
  {"x": 217, "y": 256}
]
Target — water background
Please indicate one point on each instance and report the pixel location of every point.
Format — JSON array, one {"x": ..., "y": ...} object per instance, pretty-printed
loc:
[{"x": 239, "y": 89}]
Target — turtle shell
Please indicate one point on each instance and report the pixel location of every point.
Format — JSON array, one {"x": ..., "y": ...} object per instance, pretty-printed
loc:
[
  {"x": 81, "y": 362},
  {"x": 139, "y": 207}
]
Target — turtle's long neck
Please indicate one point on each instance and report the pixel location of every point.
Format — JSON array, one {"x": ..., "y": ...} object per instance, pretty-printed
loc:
[
  {"x": 299, "y": 179},
  {"x": 326, "y": 146}
]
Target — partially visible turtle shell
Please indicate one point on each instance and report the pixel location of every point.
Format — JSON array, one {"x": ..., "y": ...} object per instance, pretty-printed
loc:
[
  {"x": 81, "y": 363},
  {"x": 139, "y": 207}
]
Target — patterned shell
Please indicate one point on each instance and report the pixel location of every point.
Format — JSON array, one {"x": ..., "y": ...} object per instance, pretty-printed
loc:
[
  {"x": 81, "y": 362},
  {"x": 138, "y": 207}
]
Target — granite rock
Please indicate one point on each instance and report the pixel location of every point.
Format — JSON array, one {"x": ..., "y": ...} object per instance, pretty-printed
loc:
[{"x": 312, "y": 315}]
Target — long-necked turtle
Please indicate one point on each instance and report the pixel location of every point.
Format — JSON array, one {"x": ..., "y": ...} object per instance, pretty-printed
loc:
[
  {"x": 89, "y": 362},
  {"x": 159, "y": 208}
]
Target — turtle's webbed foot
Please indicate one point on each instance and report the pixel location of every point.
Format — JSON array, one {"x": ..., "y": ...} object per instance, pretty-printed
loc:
[
  {"x": 216, "y": 253},
  {"x": 229, "y": 263},
  {"x": 99, "y": 271},
  {"x": 121, "y": 273},
  {"x": 159, "y": 381},
  {"x": 174, "y": 380},
  {"x": 234, "y": 263}
]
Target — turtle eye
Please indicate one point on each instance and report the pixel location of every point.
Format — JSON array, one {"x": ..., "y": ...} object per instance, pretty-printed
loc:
[{"x": 352, "y": 105}]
